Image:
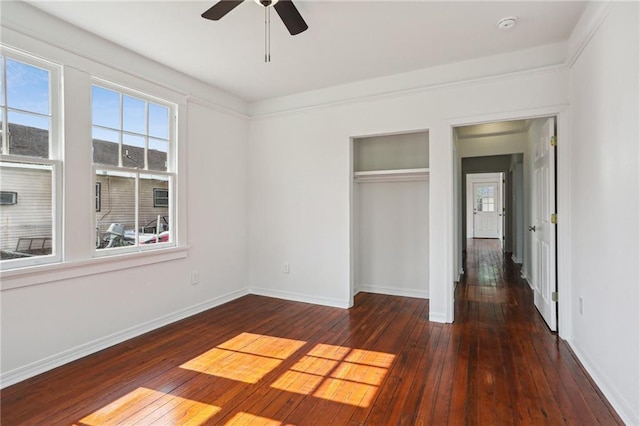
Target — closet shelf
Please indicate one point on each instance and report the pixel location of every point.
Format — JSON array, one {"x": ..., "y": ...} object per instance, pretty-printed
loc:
[{"x": 392, "y": 175}]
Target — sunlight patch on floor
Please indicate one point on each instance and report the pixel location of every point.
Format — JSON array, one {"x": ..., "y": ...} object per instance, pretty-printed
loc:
[
  {"x": 337, "y": 373},
  {"x": 243, "y": 418},
  {"x": 247, "y": 357},
  {"x": 138, "y": 404}
]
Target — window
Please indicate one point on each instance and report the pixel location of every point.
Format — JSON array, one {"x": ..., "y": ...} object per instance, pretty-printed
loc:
[
  {"x": 29, "y": 161},
  {"x": 485, "y": 198},
  {"x": 132, "y": 156},
  {"x": 98, "y": 195},
  {"x": 8, "y": 198},
  {"x": 160, "y": 197}
]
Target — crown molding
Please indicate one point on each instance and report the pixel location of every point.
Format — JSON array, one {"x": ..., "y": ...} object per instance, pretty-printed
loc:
[{"x": 590, "y": 21}]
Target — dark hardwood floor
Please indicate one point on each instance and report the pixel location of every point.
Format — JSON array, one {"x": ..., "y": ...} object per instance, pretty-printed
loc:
[{"x": 258, "y": 360}]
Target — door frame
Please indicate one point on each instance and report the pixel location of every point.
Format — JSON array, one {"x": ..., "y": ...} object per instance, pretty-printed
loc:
[{"x": 563, "y": 205}]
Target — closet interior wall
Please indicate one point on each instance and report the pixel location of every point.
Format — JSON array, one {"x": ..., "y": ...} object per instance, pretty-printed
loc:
[{"x": 391, "y": 214}]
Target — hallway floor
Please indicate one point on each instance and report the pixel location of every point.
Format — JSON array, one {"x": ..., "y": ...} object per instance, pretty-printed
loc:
[{"x": 517, "y": 371}]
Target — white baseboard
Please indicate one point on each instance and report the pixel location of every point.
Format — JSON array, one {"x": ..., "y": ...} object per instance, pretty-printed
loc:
[
  {"x": 620, "y": 404},
  {"x": 528, "y": 282},
  {"x": 298, "y": 297},
  {"x": 392, "y": 291},
  {"x": 524, "y": 276},
  {"x": 22, "y": 373},
  {"x": 516, "y": 260},
  {"x": 438, "y": 317}
]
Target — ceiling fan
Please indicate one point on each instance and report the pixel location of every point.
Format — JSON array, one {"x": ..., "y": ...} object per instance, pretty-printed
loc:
[{"x": 285, "y": 8}]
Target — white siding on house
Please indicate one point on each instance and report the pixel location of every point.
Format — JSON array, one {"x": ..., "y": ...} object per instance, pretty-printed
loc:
[{"x": 31, "y": 216}]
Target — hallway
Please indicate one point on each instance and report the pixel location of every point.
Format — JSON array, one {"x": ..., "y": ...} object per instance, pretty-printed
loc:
[{"x": 517, "y": 371}]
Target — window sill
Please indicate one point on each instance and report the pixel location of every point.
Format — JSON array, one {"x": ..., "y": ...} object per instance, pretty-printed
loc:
[{"x": 43, "y": 274}]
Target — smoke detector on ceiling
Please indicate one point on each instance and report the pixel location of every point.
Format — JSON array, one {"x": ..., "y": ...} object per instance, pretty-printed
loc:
[{"x": 506, "y": 23}]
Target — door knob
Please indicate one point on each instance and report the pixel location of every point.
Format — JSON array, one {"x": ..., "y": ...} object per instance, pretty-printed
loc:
[{"x": 532, "y": 228}]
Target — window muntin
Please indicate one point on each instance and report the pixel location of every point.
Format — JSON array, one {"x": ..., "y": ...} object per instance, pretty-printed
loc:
[
  {"x": 29, "y": 164},
  {"x": 132, "y": 146}
]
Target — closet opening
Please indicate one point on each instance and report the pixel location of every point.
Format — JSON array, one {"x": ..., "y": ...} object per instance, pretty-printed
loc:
[{"x": 390, "y": 214}]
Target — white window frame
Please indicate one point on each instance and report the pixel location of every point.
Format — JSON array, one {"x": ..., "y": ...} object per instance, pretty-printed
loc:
[
  {"x": 170, "y": 174},
  {"x": 55, "y": 153}
]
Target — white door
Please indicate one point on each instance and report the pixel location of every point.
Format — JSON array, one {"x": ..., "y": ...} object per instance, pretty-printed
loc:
[
  {"x": 543, "y": 232},
  {"x": 486, "y": 210}
]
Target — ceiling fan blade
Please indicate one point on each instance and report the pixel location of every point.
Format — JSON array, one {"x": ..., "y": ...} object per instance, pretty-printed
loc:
[
  {"x": 220, "y": 9},
  {"x": 290, "y": 16}
]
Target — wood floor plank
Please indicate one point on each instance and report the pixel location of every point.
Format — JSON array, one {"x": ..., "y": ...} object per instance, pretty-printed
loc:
[{"x": 258, "y": 360}]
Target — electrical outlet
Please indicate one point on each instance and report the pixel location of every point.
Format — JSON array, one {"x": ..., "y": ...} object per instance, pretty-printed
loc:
[
  {"x": 581, "y": 305},
  {"x": 285, "y": 268},
  {"x": 195, "y": 277}
]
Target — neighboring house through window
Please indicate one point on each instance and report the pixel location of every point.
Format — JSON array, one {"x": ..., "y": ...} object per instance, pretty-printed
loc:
[
  {"x": 132, "y": 155},
  {"x": 29, "y": 161}
]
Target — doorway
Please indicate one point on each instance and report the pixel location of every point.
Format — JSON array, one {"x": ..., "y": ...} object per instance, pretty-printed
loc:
[{"x": 530, "y": 143}]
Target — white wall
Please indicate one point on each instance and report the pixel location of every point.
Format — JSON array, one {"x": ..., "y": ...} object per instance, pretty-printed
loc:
[
  {"x": 299, "y": 179},
  {"x": 393, "y": 229},
  {"x": 72, "y": 311},
  {"x": 605, "y": 208}
]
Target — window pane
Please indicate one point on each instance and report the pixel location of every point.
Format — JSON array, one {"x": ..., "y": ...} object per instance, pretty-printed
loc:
[
  {"x": 158, "y": 121},
  {"x": 28, "y": 134},
  {"x": 27, "y": 87},
  {"x": 105, "y": 106},
  {"x": 133, "y": 115},
  {"x": 105, "y": 146},
  {"x": 26, "y": 228},
  {"x": 115, "y": 223},
  {"x": 158, "y": 152},
  {"x": 154, "y": 209},
  {"x": 132, "y": 151}
]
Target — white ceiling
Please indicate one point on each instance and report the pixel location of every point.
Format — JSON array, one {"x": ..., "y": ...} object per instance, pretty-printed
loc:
[{"x": 346, "y": 41}]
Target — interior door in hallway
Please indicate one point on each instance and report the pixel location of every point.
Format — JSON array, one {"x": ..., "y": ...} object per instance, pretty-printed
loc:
[
  {"x": 543, "y": 232},
  {"x": 486, "y": 210}
]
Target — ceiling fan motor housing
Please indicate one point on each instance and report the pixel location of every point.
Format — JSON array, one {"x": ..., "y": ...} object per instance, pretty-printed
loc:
[{"x": 266, "y": 3}]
